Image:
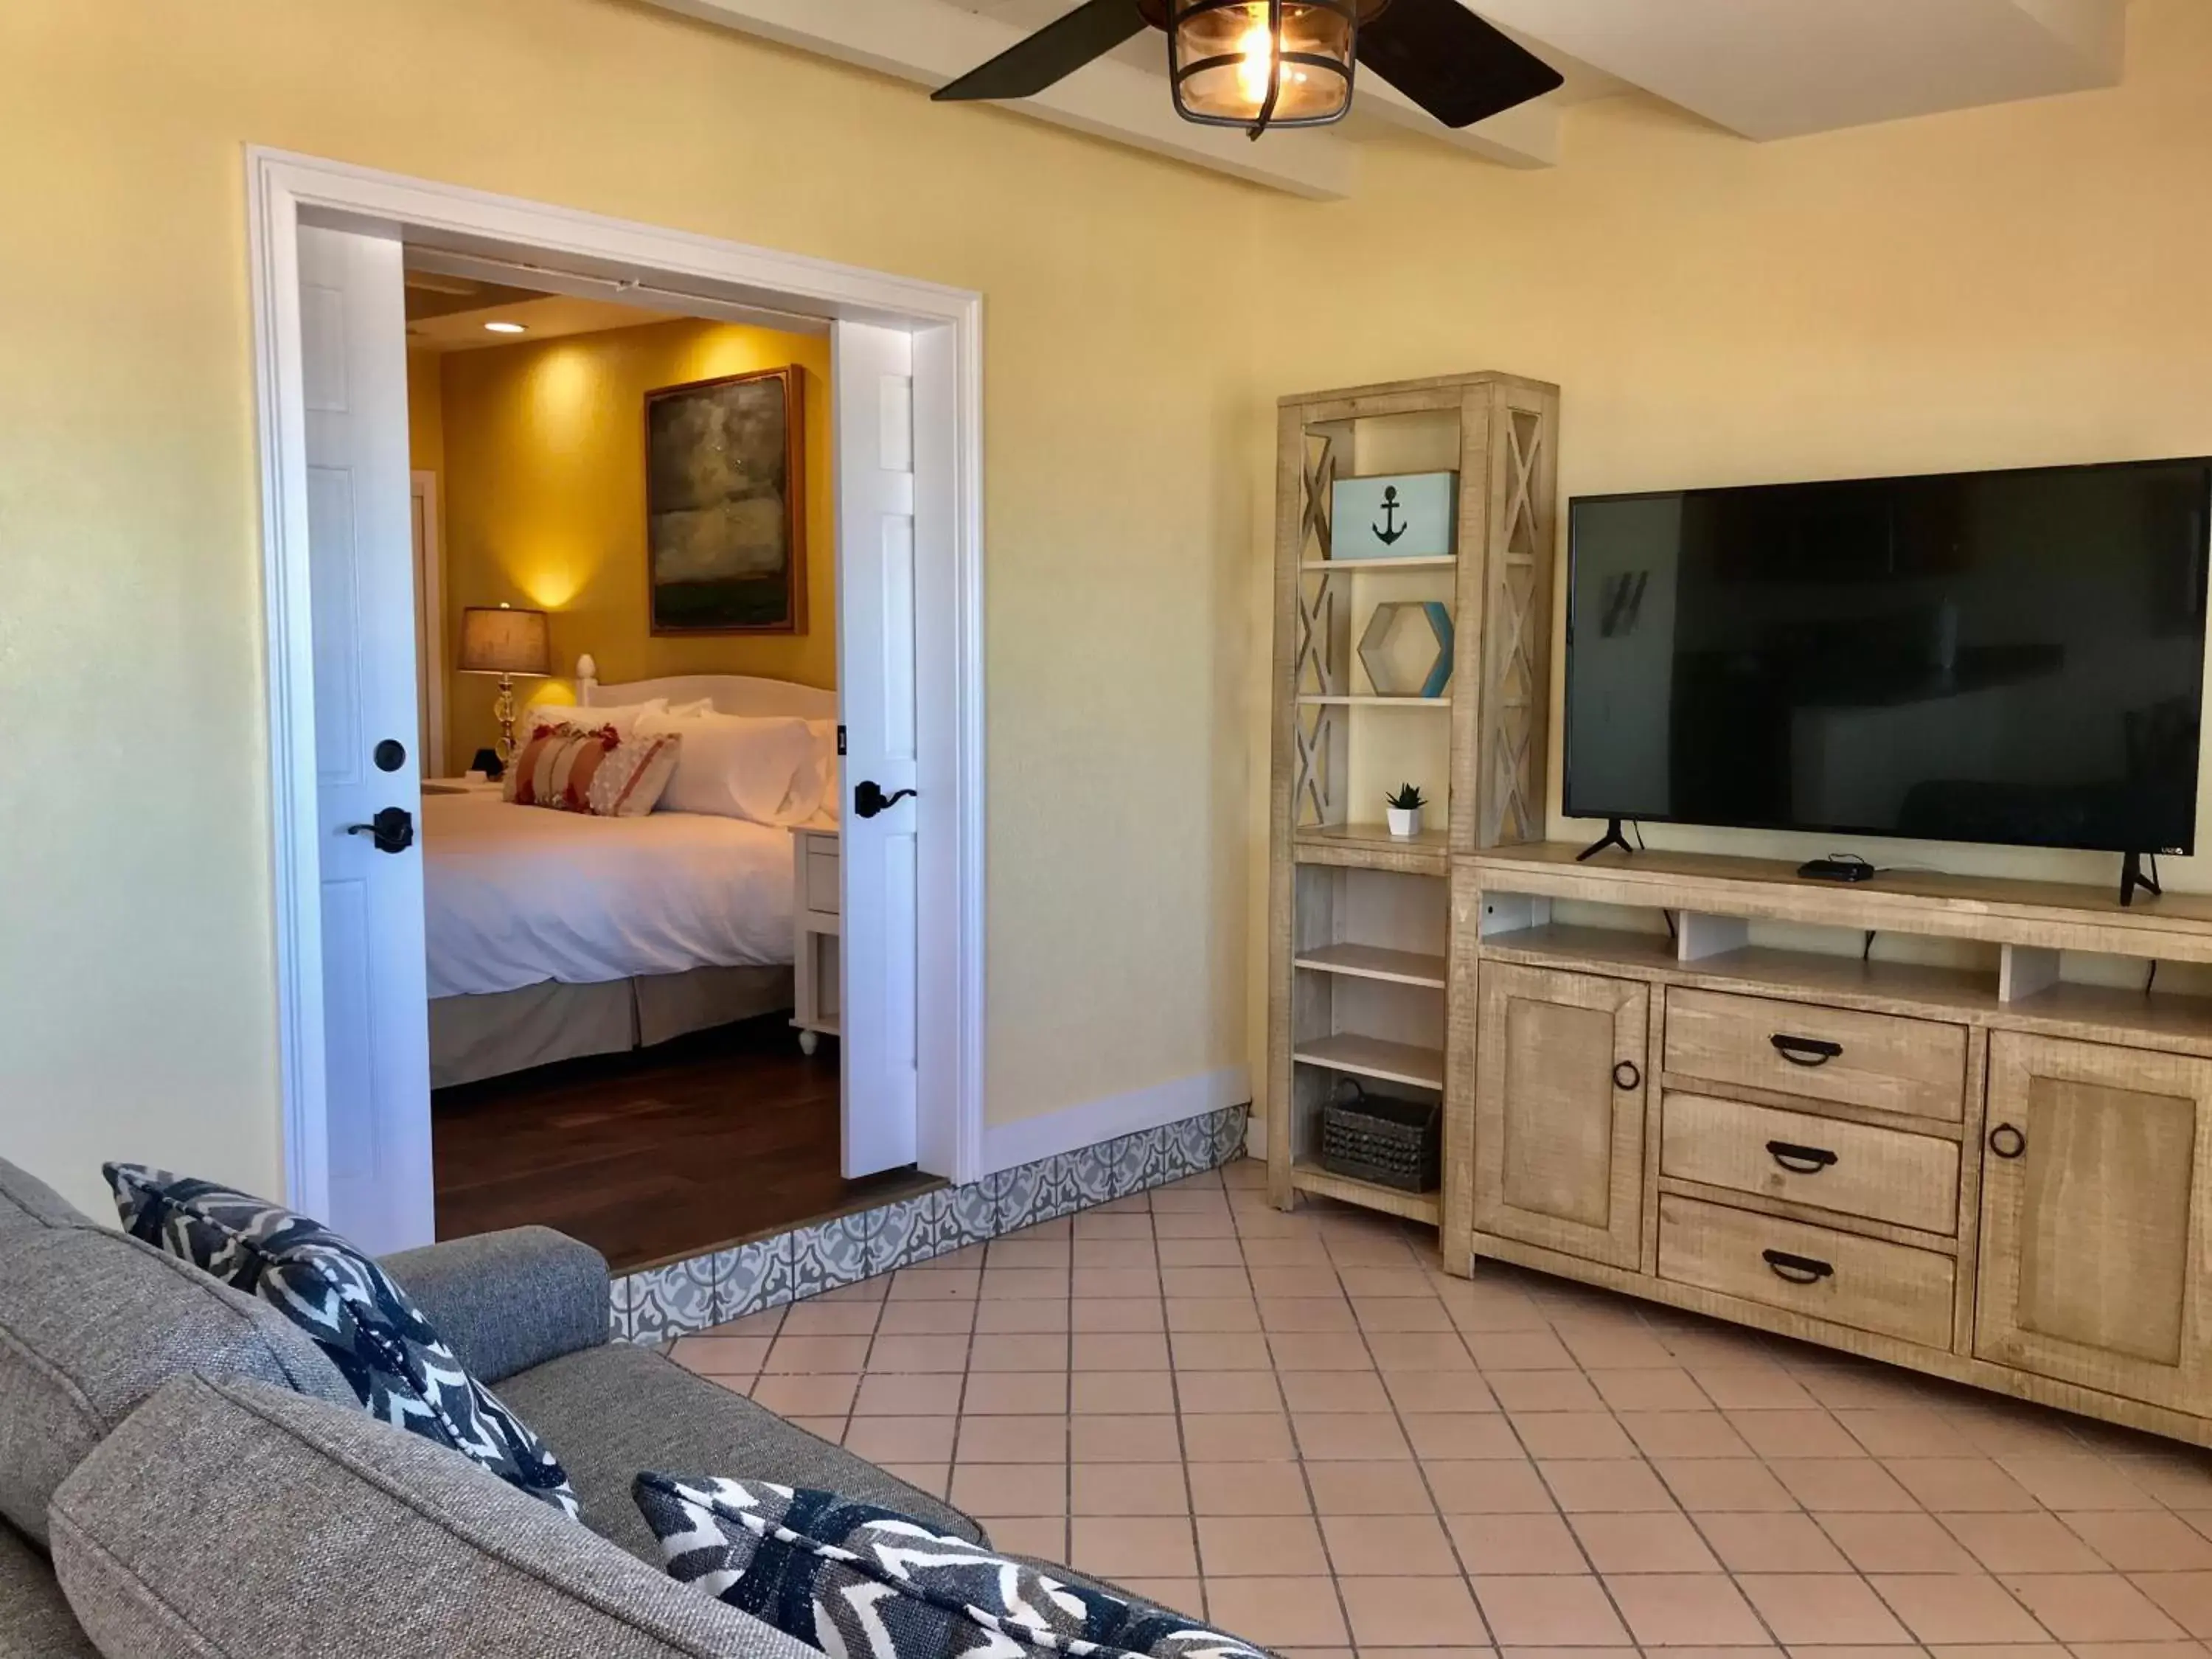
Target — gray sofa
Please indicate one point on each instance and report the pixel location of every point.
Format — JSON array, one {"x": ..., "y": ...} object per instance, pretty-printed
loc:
[{"x": 182, "y": 1475}]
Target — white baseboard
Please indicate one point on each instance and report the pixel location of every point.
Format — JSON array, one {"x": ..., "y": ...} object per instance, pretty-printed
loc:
[{"x": 1005, "y": 1144}]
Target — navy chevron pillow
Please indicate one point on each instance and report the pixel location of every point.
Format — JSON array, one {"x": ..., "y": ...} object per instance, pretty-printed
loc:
[
  {"x": 380, "y": 1342},
  {"x": 870, "y": 1583}
]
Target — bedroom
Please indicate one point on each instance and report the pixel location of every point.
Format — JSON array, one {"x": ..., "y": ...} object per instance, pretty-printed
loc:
[{"x": 618, "y": 1046}]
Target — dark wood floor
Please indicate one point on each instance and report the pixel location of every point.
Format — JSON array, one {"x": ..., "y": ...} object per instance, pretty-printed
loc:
[{"x": 663, "y": 1153}]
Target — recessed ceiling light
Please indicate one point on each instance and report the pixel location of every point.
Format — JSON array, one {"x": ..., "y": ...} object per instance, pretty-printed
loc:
[{"x": 505, "y": 328}]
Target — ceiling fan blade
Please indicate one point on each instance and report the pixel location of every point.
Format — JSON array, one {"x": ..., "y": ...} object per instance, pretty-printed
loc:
[
  {"x": 1451, "y": 62},
  {"x": 1058, "y": 50}
]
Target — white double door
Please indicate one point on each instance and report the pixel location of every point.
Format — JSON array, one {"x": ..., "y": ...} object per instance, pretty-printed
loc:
[{"x": 374, "y": 1085}]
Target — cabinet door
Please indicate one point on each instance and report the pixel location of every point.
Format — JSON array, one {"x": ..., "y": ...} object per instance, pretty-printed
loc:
[
  {"x": 1558, "y": 1111},
  {"x": 2097, "y": 1218}
]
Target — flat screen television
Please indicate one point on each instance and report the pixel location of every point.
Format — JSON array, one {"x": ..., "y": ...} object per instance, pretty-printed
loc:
[{"x": 2013, "y": 657}]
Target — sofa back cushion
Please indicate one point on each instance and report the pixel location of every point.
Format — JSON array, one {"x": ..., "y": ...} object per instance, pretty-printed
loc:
[
  {"x": 233, "y": 1518},
  {"x": 27, "y": 1203},
  {"x": 91, "y": 1322}
]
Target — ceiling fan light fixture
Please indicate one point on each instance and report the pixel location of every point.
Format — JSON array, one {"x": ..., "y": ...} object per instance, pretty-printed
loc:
[{"x": 1261, "y": 63}]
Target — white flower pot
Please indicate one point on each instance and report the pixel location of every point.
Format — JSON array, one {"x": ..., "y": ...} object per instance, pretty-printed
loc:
[{"x": 1405, "y": 821}]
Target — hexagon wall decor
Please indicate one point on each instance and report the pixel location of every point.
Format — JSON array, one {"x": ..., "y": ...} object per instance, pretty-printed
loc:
[{"x": 1407, "y": 648}]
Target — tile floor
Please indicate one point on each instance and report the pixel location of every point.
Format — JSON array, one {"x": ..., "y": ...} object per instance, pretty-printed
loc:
[{"x": 1299, "y": 1427}]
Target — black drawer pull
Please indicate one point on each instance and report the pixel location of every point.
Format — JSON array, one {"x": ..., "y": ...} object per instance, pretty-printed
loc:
[
  {"x": 1626, "y": 1076},
  {"x": 2006, "y": 1142},
  {"x": 1805, "y": 1051},
  {"x": 1798, "y": 1269},
  {"x": 1799, "y": 1160}
]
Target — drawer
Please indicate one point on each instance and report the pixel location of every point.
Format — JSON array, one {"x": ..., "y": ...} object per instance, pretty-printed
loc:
[
  {"x": 1915, "y": 1067},
  {"x": 822, "y": 891},
  {"x": 1853, "y": 1168},
  {"x": 1867, "y": 1283}
]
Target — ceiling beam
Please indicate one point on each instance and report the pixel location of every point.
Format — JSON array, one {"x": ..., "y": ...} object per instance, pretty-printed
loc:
[
  {"x": 1526, "y": 135},
  {"x": 931, "y": 42},
  {"x": 1781, "y": 68}
]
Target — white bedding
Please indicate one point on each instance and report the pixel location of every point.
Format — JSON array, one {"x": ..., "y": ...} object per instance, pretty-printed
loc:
[{"x": 514, "y": 895}]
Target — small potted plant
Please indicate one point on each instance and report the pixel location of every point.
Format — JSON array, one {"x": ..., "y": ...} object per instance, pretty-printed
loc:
[{"x": 1403, "y": 810}]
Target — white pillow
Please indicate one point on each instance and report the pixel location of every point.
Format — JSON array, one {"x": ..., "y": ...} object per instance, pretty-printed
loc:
[
  {"x": 816, "y": 788},
  {"x": 736, "y": 767},
  {"x": 623, "y": 716}
]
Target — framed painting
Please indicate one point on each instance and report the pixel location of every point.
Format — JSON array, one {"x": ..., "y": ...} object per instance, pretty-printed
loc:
[{"x": 725, "y": 505}]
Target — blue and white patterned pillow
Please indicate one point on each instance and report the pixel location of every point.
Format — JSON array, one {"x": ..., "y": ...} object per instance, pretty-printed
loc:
[
  {"x": 870, "y": 1583},
  {"x": 395, "y": 1359}
]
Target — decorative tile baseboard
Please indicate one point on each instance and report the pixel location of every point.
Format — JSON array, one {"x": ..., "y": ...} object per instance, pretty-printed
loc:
[{"x": 714, "y": 1289}]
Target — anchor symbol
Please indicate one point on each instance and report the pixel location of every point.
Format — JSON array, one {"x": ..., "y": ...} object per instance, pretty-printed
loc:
[{"x": 1390, "y": 530}]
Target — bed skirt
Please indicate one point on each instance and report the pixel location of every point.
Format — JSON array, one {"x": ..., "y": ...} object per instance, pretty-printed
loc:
[{"x": 475, "y": 1038}]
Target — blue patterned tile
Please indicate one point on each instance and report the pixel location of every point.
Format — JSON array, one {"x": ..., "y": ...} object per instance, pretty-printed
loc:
[
  {"x": 1191, "y": 1145},
  {"x": 1228, "y": 1128},
  {"x": 829, "y": 1254},
  {"x": 620, "y": 1294},
  {"x": 1057, "y": 1193},
  {"x": 1137, "y": 1162},
  {"x": 973, "y": 1212},
  {"x": 752, "y": 1277},
  {"x": 1093, "y": 1173},
  {"x": 668, "y": 1301},
  {"x": 1016, "y": 1191}
]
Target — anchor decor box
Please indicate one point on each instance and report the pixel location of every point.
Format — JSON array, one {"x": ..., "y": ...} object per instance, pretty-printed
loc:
[{"x": 1412, "y": 515}]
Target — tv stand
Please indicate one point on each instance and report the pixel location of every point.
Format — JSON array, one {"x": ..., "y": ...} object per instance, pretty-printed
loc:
[
  {"x": 2132, "y": 877},
  {"x": 1612, "y": 837}
]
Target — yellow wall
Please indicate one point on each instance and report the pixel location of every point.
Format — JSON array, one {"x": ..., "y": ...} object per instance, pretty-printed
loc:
[
  {"x": 1999, "y": 286},
  {"x": 137, "y": 1002},
  {"x": 544, "y": 503}
]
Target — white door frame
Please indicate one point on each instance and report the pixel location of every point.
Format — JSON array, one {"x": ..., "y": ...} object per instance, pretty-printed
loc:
[{"x": 283, "y": 189}]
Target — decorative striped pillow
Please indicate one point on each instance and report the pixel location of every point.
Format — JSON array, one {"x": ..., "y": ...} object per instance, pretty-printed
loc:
[{"x": 573, "y": 769}]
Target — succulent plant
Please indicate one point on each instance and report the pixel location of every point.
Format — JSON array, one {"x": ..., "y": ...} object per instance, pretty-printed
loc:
[{"x": 1407, "y": 799}]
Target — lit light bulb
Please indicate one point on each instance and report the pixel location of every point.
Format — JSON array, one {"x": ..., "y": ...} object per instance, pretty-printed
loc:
[{"x": 1257, "y": 66}]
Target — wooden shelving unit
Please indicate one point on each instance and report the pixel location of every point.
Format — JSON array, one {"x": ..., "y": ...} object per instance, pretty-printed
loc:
[{"x": 1361, "y": 919}]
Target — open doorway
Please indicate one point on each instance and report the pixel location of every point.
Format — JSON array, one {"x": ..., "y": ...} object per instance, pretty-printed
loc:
[
  {"x": 634, "y": 1003},
  {"x": 660, "y": 1114}
]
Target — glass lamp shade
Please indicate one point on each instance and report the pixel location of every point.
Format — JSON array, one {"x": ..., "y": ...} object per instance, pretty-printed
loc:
[{"x": 1261, "y": 64}]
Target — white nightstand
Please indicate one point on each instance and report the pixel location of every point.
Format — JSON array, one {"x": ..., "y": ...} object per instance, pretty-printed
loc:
[
  {"x": 819, "y": 927},
  {"x": 460, "y": 786}
]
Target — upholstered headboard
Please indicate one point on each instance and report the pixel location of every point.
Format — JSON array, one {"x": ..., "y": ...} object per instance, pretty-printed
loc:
[{"x": 731, "y": 693}]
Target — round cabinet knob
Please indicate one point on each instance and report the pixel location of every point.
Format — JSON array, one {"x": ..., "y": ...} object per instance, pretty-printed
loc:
[
  {"x": 1626, "y": 1076},
  {"x": 2006, "y": 1141}
]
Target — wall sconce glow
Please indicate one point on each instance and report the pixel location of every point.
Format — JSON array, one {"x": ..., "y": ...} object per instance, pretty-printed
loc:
[{"x": 505, "y": 328}]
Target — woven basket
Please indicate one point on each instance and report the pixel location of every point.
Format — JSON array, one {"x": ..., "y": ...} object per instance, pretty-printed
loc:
[{"x": 1381, "y": 1138}]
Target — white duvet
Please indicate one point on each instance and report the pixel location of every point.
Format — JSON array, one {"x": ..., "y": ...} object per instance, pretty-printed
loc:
[{"x": 514, "y": 895}]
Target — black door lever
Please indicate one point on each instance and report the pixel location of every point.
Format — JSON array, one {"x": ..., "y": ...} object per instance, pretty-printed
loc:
[
  {"x": 868, "y": 797},
  {"x": 392, "y": 829}
]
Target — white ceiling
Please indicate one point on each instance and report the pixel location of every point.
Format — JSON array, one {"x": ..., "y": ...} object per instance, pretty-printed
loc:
[
  {"x": 1763, "y": 69},
  {"x": 547, "y": 316},
  {"x": 1776, "y": 69}
]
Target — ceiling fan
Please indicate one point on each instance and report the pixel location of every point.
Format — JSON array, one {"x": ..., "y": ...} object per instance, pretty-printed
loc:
[{"x": 1258, "y": 63}]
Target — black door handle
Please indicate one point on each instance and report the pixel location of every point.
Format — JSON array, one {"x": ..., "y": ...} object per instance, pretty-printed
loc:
[
  {"x": 1805, "y": 1051},
  {"x": 392, "y": 829},
  {"x": 868, "y": 797},
  {"x": 1626, "y": 1076},
  {"x": 1799, "y": 1160},
  {"x": 1798, "y": 1269},
  {"x": 2007, "y": 1141}
]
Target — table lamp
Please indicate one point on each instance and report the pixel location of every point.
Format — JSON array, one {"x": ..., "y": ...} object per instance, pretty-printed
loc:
[{"x": 502, "y": 641}]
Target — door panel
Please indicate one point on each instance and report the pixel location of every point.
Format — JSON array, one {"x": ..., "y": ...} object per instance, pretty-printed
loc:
[
  {"x": 1560, "y": 1100},
  {"x": 361, "y": 597},
  {"x": 873, "y": 408},
  {"x": 2095, "y": 1228}
]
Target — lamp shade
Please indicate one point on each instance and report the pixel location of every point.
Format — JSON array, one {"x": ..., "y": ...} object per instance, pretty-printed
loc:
[{"x": 501, "y": 639}]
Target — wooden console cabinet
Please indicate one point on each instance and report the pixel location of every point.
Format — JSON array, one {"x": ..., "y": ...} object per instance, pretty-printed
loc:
[{"x": 1983, "y": 1172}]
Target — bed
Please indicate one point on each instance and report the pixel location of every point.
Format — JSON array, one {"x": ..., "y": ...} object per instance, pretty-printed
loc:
[{"x": 554, "y": 935}]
